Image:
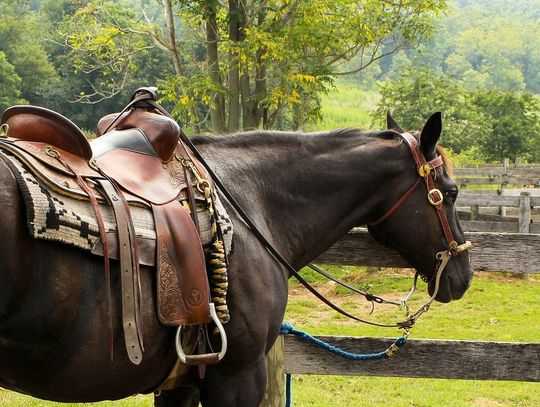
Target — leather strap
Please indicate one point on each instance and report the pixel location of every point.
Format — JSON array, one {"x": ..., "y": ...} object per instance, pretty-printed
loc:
[
  {"x": 423, "y": 166},
  {"x": 129, "y": 267},
  {"x": 398, "y": 203},
  {"x": 103, "y": 236}
]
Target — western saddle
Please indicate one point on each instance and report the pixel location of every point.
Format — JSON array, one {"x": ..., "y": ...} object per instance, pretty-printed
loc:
[{"x": 138, "y": 158}]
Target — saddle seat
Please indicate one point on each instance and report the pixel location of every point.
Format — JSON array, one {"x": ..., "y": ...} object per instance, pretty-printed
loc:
[{"x": 142, "y": 140}]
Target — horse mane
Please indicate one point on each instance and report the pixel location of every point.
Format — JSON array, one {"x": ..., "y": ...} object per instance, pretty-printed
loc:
[{"x": 273, "y": 137}]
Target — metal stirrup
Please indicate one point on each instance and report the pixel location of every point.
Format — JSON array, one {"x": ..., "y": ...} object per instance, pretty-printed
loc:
[{"x": 206, "y": 358}]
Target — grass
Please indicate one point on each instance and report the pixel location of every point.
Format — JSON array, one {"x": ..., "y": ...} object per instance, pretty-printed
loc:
[
  {"x": 346, "y": 106},
  {"x": 497, "y": 307}
]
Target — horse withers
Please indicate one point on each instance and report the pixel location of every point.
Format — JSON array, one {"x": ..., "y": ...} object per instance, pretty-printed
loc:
[{"x": 304, "y": 192}]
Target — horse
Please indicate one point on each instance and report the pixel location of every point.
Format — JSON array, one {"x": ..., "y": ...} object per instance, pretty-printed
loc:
[{"x": 304, "y": 191}]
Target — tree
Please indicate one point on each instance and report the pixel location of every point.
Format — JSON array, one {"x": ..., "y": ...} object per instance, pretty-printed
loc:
[
  {"x": 21, "y": 42},
  {"x": 249, "y": 63},
  {"x": 417, "y": 93},
  {"x": 492, "y": 124},
  {"x": 515, "y": 125},
  {"x": 9, "y": 84}
]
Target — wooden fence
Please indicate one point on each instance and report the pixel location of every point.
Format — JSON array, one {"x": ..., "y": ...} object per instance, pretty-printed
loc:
[
  {"x": 515, "y": 209},
  {"x": 450, "y": 359},
  {"x": 502, "y": 175}
]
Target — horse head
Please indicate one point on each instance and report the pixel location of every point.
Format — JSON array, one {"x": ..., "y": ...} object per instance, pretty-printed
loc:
[{"x": 420, "y": 219}]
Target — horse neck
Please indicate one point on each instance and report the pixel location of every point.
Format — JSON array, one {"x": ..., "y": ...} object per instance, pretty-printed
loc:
[{"x": 305, "y": 191}]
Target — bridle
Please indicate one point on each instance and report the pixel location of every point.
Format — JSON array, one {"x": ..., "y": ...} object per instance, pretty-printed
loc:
[{"x": 426, "y": 171}]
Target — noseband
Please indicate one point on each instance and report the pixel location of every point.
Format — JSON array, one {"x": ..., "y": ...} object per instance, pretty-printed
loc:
[{"x": 426, "y": 171}]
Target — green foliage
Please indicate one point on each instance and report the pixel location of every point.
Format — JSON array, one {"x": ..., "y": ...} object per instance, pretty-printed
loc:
[
  {"x": 103, "y": 38},
  {"x": 486, "y": 44},
  {"x": 9, "y": 84},
  {"x": 286, "y": 52},
  {"x": 491, "y": 125},
  {"x": 418, "y": 93},
  {"x": 22, "y": 44},
  {"x": 515, "y": 125}
]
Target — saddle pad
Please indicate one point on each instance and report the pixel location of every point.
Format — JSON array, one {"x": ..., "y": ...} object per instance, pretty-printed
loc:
[{"x": 53, "y": 216}]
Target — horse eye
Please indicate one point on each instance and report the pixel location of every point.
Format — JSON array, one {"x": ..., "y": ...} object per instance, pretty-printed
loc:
[{"x": 452, "y": 194}]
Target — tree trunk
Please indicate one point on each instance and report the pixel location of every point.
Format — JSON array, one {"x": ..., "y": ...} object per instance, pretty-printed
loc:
[
  {"x": 217, "y": 108},
  {"x": 248, "y": 121},
  {"x": 234, "y": 74},
  {"x": 260, "y": 113},
  {"x": 171, "y": 47}
]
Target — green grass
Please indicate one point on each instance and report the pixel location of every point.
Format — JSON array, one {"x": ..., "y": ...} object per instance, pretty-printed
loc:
[
  {"x": 12, "y": 399},
  {"x": 346, "y": 106},
  {"x": 497, "y": 307}
]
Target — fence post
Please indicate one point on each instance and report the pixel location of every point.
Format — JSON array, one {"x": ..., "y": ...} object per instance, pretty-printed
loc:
[
  {"x": 275, "y": 370},
  {"x": 525, "y": 212},
  {"x": 524, "y": 222},
  {"x": 475, "y": 212}
]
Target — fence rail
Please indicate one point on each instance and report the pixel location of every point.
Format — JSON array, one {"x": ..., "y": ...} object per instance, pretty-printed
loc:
[
  {"x": 499, "y": 170},
  {"x": 448, "y": 359},
  {"x": 503, "y": 175},
  {"x": 509, "y": 252}
]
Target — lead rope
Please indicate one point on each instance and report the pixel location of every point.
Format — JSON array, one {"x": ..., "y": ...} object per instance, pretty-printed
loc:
[{"x": 443, "y": 257}]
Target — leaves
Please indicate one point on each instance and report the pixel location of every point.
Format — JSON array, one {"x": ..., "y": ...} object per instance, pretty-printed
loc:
[{"x": 492, "y": 124}]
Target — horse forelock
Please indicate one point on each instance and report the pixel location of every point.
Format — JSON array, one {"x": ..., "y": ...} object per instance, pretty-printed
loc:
[{"x": 447, "y": 160}]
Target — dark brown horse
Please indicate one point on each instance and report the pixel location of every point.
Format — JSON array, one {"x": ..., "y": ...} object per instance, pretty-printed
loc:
[{"x": 304, "y": 191}]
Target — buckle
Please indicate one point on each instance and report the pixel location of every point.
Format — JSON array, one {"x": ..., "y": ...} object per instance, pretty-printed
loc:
[
  {"x": 4, "y": 128},
  {"x": 424, "y": 170},
  {"x": 435, "y": 197}
]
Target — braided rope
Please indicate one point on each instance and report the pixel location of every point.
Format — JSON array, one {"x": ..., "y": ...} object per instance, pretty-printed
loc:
[
  {"x": 287, "y": 328},
  {"x": 217, "y": 268}
]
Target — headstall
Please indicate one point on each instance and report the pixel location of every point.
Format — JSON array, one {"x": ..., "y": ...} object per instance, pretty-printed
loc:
[{"x": 426, "y": 171}]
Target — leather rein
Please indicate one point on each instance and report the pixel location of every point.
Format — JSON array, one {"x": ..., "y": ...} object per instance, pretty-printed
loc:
[{"x": 435, "y": 197}]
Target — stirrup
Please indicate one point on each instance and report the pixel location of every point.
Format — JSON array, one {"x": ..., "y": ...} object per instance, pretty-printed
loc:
[{"x": 206, "y": 358}]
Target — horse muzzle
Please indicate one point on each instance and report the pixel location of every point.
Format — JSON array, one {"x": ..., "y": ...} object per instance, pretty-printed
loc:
[{"x": 453, "y": 274}]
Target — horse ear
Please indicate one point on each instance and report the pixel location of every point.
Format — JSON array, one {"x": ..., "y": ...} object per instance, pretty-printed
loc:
[
  {"x": 431, "y": 133},
  {"x": 391, "y": 124}
]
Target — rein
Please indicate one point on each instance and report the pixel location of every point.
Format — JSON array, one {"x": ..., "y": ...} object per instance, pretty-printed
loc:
[{"x": 435, "y": 197}]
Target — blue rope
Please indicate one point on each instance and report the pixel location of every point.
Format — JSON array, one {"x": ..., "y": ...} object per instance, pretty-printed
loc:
[{"x": 287, "y": 328}]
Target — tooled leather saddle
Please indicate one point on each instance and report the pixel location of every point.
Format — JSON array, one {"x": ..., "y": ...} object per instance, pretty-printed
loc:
[{"x": 138, "y": 158}]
